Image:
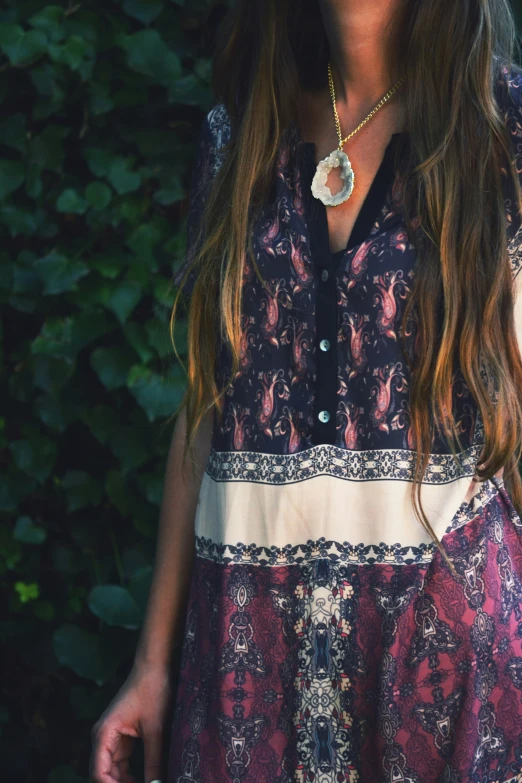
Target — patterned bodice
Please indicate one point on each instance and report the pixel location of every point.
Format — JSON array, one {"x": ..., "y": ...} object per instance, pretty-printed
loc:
[{"x": 321, "y": 357}]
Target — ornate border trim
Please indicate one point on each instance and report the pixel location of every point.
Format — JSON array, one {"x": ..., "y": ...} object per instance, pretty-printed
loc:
[
  {"x": 328, "y": 460},
  {"x": 357, "y": 554},
  {"x": 321, "y": 549}
]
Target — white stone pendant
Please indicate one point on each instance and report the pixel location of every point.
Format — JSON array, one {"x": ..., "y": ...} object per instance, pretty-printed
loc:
[{"x": 319, "y": 187}]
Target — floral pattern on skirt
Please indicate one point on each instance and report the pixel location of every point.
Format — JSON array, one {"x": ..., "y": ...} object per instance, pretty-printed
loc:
[{"x": 328, "y": 671}]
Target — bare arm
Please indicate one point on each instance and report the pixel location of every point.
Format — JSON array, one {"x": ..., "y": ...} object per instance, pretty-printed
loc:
[
  {"x": 139, "y": 708},
  {"x": 174, "y": 549}
]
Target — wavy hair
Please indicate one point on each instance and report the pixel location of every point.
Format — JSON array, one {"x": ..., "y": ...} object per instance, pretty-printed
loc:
[{"x": 462, "y": 300}]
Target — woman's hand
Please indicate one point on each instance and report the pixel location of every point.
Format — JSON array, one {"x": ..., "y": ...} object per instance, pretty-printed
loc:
[
  {"x": 140, "y": 707},
  {"x": 138, "y": 710}
]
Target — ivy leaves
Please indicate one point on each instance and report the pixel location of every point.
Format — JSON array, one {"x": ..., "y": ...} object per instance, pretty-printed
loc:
[{"x": 100, "y": 109}]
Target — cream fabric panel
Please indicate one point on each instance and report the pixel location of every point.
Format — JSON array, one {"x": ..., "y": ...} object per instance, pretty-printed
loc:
[{"x": 367, "y": 512}]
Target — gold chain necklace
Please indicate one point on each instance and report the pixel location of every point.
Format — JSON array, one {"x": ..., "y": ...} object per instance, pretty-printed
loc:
[{"x": 338, "y": 157}]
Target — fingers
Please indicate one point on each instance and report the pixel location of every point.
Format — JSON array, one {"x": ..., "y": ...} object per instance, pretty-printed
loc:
[
  {"x": 110, "y": 756},
  {"x": 100, "y": 767},
  {"x": 152, "y": 745}
]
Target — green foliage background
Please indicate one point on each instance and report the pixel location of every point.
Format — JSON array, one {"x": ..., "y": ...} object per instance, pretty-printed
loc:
[{"x": 100, "y": 106}]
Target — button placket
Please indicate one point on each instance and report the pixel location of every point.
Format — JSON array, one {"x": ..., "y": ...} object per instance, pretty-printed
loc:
[
  {"x": 324, "y": 430},
  {"x": 327, "y": 318}
]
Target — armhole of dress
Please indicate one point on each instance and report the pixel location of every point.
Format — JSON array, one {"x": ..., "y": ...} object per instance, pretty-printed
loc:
[
  {"x": 517, "y": 307},
  {"x": 512, "y": 95},
  {"x": 212, "y": 136},
  {"x": 509, "y": 97}
]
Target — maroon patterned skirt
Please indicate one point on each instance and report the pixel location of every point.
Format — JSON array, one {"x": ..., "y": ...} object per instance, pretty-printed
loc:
[{"x": 326, "y": 670}]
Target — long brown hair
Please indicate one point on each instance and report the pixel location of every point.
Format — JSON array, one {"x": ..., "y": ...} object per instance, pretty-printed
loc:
[{"x": 459, "y": 152}]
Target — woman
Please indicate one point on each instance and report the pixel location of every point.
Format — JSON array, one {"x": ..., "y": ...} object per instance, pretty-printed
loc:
[{"x": 354, "y": 606}]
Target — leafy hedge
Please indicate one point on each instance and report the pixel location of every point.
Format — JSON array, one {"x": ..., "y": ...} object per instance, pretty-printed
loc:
[{"x": 100, "y": 105}]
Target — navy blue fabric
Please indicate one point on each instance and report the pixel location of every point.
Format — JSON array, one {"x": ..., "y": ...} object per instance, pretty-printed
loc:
[{"x": 354, "y": 299}]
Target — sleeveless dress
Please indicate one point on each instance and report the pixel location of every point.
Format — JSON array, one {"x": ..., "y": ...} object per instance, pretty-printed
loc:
[{"x": 326, "y": 640}]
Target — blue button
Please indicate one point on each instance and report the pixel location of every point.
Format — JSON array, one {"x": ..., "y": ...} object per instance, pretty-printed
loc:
[
  {"x": 324, "y": 345},
  {"x": 324, "y": 275},
  {"x": 324, "y": 416}
]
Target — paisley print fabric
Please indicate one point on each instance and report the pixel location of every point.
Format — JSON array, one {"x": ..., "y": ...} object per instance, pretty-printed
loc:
[{"x": 327, "y": 639}]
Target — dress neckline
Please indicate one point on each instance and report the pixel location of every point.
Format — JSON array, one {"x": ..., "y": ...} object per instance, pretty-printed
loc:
[{"x": 376, "y": 199}]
